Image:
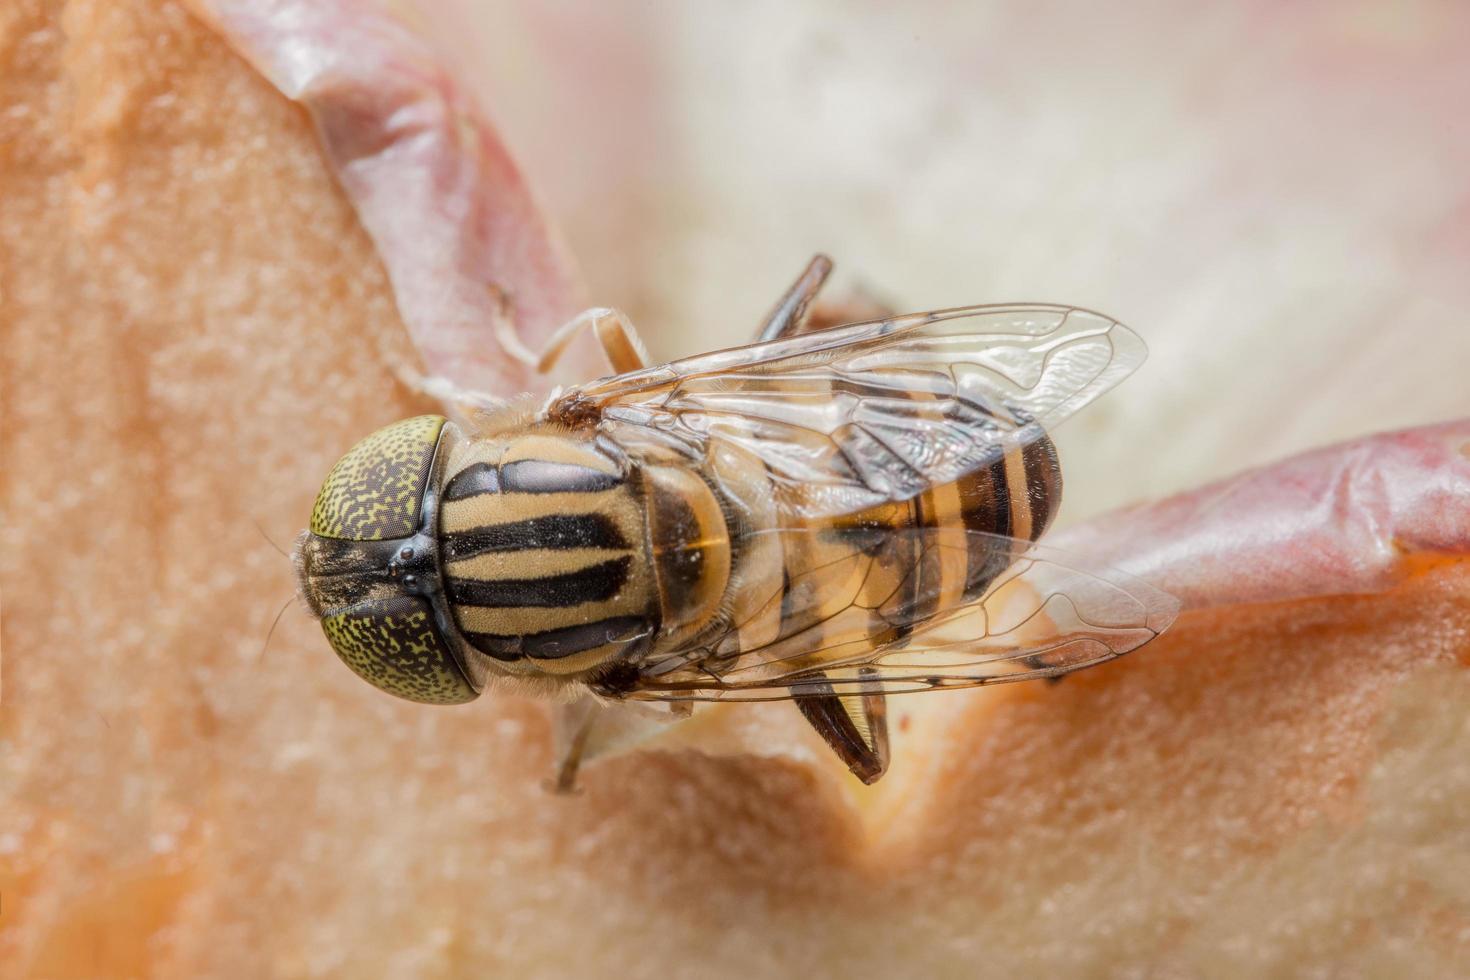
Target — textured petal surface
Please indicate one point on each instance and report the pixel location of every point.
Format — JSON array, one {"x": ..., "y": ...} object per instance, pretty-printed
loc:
[{"x": 454, "y": 221}]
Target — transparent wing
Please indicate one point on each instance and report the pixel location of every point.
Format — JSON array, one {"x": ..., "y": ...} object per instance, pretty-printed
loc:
[
  {"x": 876, "y": 411},
  {"x": 870, "y": 617}
]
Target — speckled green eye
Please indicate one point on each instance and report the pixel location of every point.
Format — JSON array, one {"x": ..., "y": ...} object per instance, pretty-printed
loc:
[
  {"x": 368, "y": 566},
  {"x": 393, "y": 644},
  {"x": 376, "y": 490}
]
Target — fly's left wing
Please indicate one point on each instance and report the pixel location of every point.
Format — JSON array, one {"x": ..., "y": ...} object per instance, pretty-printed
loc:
[
  {"x": 857, "y": 416},
  {"x": 1044, "y": 615}
]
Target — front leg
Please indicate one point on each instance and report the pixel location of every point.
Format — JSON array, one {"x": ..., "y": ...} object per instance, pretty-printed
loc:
[
  {"x": 465, "y": 401},
  {"x": 620, "y": 341}
]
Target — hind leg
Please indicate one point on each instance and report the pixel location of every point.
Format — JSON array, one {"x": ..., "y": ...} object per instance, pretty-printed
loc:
[
  {"x": 798, "y": 312},
  {"x": 789, "y": 315}
]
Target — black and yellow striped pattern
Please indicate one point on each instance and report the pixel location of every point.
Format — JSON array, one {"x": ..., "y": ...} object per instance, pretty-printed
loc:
[
  {"x": 807, "y": 585},
  {"x": 542, "y": 545},
  {"x": 863, "y": 579}
]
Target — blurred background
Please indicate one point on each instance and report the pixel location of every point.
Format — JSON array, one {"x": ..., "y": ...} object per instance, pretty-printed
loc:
[{"x": 1272, "y": 194}]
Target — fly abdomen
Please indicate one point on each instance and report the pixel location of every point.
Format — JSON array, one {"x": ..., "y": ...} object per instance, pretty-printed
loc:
[{"x": 1016, "y": 496}]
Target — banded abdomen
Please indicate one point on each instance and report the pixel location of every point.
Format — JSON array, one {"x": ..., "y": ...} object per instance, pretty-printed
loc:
[{"x": 867, "y": 577}]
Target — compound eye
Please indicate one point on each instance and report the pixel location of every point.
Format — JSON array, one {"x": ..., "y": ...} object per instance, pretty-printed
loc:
[
  {"x": 393, "y": 645},
  {"x": 376, "y": 491}
]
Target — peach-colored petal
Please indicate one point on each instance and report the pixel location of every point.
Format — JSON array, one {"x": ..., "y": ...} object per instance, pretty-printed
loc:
[{"x": 453, "y": 218}]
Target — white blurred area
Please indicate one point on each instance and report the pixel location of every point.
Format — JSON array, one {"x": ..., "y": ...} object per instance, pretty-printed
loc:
[{"x": 1273, "y": 195}]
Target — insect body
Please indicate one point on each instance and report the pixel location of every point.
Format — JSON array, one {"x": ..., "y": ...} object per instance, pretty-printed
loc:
[{"x": 827, "y": 516}]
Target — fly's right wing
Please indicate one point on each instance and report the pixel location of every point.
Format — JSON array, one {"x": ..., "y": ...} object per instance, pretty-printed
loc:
[{"x": 870, "y": 413}]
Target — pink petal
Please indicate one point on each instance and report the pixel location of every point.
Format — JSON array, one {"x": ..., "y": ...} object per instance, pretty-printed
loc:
[{"x": 1332, "y": 521}]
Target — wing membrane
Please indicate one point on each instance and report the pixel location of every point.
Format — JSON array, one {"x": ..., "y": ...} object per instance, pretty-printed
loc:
[
  {"x": 874, "y": 411},
  {"x": 1044, "y": 615}
]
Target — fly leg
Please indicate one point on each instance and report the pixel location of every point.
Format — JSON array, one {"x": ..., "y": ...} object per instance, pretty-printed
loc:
[
  {"x": 854, "y": 725},
  {"x": 591, "y": 728},
  {"x": 445, "y": 390},
  {"x": 572, "y": 726},
  {"x": 789, "y": 315},
  {"x": 798, "y": 312},
  {"x": 857, "y": 307},
  {"x": 467, "y": 401},
  {"x": 620, "y": 341}
]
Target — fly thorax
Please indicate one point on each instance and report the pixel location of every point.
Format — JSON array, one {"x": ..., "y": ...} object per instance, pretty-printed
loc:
[{"x": 542, "y": 541}]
